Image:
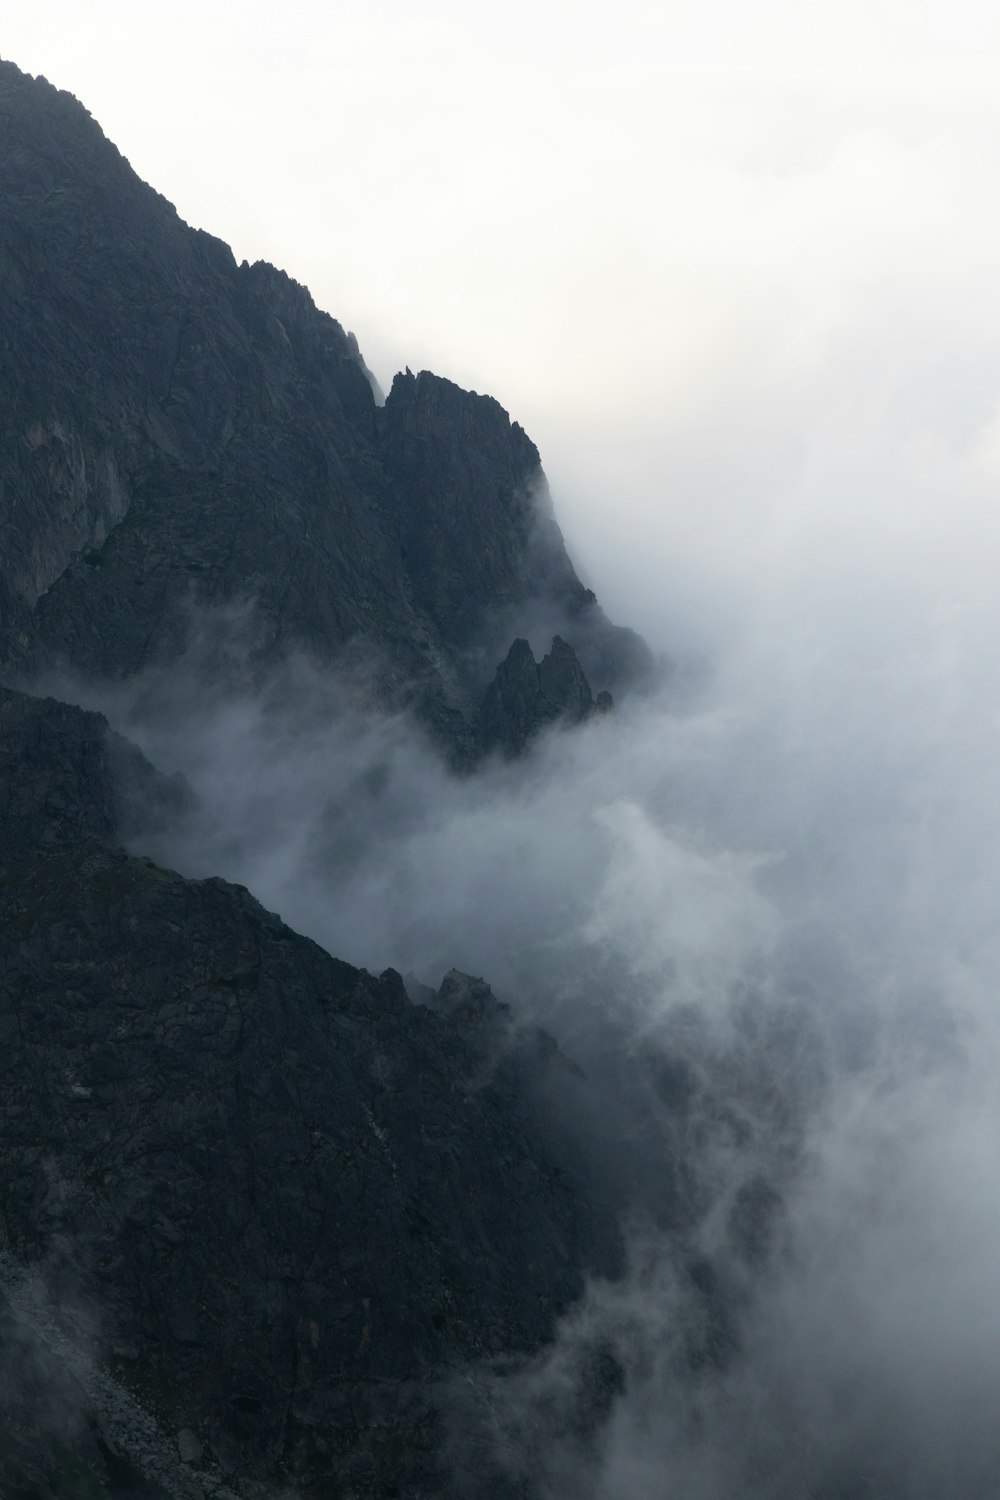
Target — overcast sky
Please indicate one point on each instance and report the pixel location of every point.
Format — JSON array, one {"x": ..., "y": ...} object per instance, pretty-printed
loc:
[{"x": 733, "y": 263}]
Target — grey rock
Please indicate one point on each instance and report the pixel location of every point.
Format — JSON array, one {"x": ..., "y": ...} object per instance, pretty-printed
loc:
[
  {"x": 65, "y": 778},
  {"x": 465, "y": 998},
  {"x": 182, "y": 434},
  {"x": 301, "y": 1197},
  {"x": 525, "y": 696},
  {"x": 189, "y": 1446}
]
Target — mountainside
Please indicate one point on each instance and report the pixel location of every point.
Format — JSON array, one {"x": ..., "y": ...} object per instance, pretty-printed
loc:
[
  {"x": 259, "y": 1210},
  {"x": 181, "y": 435},
  {"x": 442, "y": 1056},
  {"x": 286, "y": 1199}
]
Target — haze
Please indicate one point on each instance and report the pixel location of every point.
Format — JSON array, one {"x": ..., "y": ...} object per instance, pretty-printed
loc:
[{"x": 734, "y": 268}]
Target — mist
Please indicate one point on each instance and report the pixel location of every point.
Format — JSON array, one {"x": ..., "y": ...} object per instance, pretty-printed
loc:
[
  {"x": 758, "y": 908},
  {"x": 746, "y": 305}
]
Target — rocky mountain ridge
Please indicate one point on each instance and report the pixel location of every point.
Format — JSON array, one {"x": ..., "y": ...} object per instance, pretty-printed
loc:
[
  {"x": 258, "y": 1208},
  {"x": 183, "y": 437}
]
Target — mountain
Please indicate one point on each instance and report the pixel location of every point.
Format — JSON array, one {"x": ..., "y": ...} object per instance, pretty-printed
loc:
[
  {"x": 290, "y": 1199},
  {"x": 260, "y": 1210},
  {"x": 183, "y": 437}
]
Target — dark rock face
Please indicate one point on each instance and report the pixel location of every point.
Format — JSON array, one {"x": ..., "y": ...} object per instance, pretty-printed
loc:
[
  {"x": 466, "y": 998},
  {"x": 462, "y": 480},
  {"x": 296, "y": 1198},
  {"x": 66, "y": 778},
  {"x": 56, "y": 782},
  {"x": 181, "y": 433},
  {"x": 526, "y": 695}
]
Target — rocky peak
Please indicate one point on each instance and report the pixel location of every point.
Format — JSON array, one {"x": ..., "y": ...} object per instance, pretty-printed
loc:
[
  {"x": 526, "y": 695},
  {"x": 463, "y": 997},
  {"x": 182, "y": 437}
]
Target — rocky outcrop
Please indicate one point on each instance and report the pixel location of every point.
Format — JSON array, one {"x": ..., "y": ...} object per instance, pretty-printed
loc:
[
  {"x": 184, "y": 438},
  {"x": 525, "y": 696},
  {"x": 65, "y": 778},
  {"x": 283, "y": 1200}
]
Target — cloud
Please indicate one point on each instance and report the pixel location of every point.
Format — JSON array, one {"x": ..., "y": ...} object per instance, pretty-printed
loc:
[
  {"x": 760, "y": 911},
  {"x": 746, "y": 304}
]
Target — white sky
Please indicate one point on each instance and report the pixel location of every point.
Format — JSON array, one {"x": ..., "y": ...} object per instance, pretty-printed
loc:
[{"x": 733, "y": 265}]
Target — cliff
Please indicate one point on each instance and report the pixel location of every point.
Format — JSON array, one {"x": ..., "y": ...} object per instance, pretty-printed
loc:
[
  {"x": 185, "y": 440},
  {"x": 285, "y": 1200}
]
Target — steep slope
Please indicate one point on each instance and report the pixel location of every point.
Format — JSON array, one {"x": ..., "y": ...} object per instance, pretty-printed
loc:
[
  {"x": 259, "y": 1208},
  {"x": 285, "y": 1201},
  {"x": 179, "y": 433}
]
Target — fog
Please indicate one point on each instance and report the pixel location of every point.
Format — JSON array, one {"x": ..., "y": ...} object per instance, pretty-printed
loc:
[
  {"x": 743, "y": 295},
  {"x": 777, "y": 876}
]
